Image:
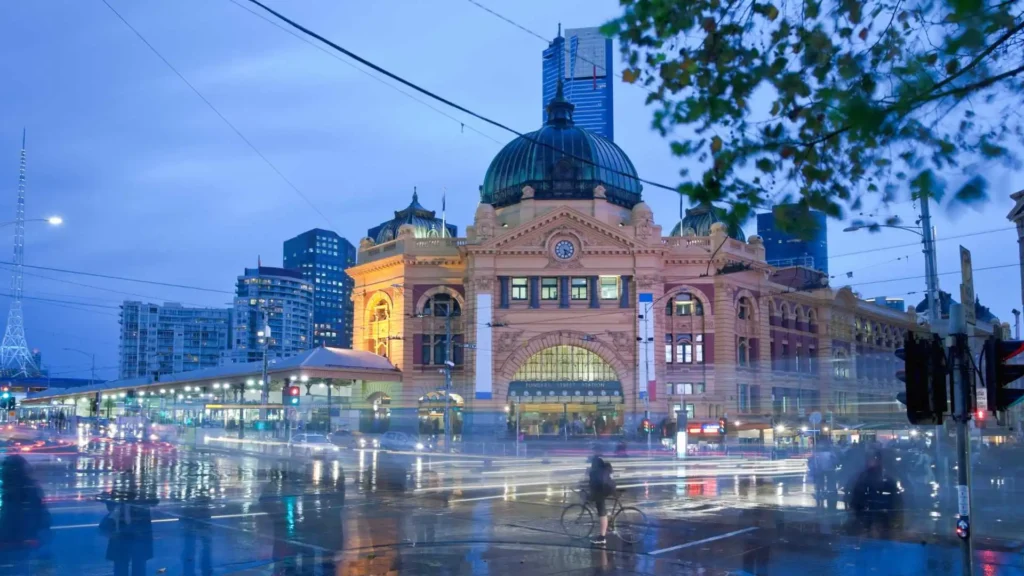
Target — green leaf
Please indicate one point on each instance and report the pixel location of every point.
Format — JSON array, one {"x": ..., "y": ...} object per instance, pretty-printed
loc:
[
  {"x": 765, "y": 165},
  {"x": 973, "y": 192}
]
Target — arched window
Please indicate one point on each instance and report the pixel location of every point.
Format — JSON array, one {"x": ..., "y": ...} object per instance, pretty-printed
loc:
[
  {"x": 744, "y": 309},
  {"x": 442, "y": 304},
  {"x": 684, "y": 304},
  {"x": 379, "y": 330},
  {"x": 841, "y": 364},
  {"x": 565, "y": 364}
]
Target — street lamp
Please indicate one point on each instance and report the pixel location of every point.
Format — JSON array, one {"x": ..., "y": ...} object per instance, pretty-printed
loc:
[
  {"x": 90, "y": 355},
  {"x": 928, "y": 243},
  {"x": 52, "y": 220}
]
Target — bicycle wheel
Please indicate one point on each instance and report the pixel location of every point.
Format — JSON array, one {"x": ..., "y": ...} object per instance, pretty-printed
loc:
[
  {"x": 630, "y": 524},
  {"x": 577, "y": 521}
]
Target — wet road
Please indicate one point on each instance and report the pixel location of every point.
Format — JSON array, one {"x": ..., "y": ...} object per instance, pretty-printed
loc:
[{"x": 230, "y": 510}]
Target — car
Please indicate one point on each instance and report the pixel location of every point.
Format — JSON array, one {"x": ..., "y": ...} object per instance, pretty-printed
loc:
[
  {"x": 348, "y": 439},
  {"x": 312, "y": 443},
  {"x": 402, "y": 442}
]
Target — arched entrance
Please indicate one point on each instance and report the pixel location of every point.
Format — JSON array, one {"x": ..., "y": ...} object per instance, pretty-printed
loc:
[
  {"x": 567, "y": 391},
  {"x": 377, "y": 418},
  {"x": 431, "y": 412}
]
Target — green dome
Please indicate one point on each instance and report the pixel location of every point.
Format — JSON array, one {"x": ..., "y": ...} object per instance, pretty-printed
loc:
[
  {"x": 698, "y": 221},
  {"x": 560, "y": 161},
  {"x": 423, "y": 221}
]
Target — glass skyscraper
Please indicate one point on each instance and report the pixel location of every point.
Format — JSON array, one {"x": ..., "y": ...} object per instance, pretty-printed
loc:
[
  {"x": 583, "y": 60},
  {"x": 321, "y": 256},
  {"x": 782, "y": 249}
]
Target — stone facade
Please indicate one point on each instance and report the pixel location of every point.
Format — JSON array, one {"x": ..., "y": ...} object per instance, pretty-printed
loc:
[{"x": 769, "y": 346}]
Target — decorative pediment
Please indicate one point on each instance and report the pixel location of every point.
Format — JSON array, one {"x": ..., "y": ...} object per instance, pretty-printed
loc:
[{"x": 536, "y": 235}]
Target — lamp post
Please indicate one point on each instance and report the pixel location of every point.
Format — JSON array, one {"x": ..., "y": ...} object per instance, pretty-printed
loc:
[
  {"x": 91, "y": 356},
  {"x": 928, "y": 248},
  {"x": 52, "y": 221}
]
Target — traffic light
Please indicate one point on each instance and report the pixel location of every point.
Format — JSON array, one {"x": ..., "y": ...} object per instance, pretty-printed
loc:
[
  {"x": 926, "y": 376},
  {"x": 723, "y": 426},
  {"x": 1004, "y": 363},
  {"x": 647, "y": 426},
  {"x": 293, "y": 393}
]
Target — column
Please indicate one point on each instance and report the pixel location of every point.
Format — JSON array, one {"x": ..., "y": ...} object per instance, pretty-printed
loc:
[
  {"x": 503, "y": 286},
  {"x": 534, "y": 292},
  {"x": 563, "y": 291},
  {"x": 595, "y": 296},
  {"x": 624, "y": 300}
]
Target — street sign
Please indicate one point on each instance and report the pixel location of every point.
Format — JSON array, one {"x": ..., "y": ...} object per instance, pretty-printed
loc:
[
  {"x": 967, "y": 287},
  {"x": 815, "y": 418}
]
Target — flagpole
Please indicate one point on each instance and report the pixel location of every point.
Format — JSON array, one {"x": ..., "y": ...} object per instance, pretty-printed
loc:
[{"x": 444, "y": 225}]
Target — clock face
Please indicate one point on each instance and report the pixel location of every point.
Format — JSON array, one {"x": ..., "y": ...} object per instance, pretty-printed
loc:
[{"x": 564, "y": 249}]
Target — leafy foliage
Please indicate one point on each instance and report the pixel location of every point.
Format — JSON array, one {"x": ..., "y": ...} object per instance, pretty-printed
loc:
[{"x": 830, "y": 104}]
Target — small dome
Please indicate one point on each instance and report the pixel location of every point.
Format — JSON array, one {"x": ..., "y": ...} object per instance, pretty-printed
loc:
[
  {"x": 698, "y": 221},
  {"x": 424, "y": 223},
  {"x": 560, "y": 161}
]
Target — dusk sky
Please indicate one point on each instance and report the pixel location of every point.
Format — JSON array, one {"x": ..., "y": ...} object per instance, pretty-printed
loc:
[{"x": 152, "y": 184}]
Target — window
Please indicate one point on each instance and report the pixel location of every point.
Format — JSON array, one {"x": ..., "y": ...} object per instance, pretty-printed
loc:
[
  {"x": 520, "y": 289},
  {"x": 609, "y": 286},
  {"x": 686, "y": 305},
  {"x": 742, "y": 352},
  {"x": 579, "y": 289},
  {"x": 785, "y": 356},
  {"x": 684, "y": 349},
  {"x": 549, "y": 288},
  {"x": 668, "y": 348},
  {"x": 689, "y": 388},
  {"x": 744, "y": 309},
  {"x": 442, "y": 305},
  {"x": 742, "y": 398},
  {"x": 699, "y": 348},
  {"x": 691, "y": 412}
]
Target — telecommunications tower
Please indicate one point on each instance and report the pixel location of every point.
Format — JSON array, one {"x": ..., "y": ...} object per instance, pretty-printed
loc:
[{"x": 15, "y": 358}]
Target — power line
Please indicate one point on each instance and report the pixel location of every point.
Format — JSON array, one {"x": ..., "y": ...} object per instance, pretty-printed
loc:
[
  {"x": 111, "y": 290},
  {"x": 918, "y": 243},
  {"x": 459, "y": 107},
  {"x": 221, "y": 116},
  {"x": 1014, "y": 265},
  {"x": 122, "y": 278},
  {"x": 362, "y": 71}
]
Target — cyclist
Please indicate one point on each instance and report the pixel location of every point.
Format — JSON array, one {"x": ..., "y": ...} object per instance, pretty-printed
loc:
[{"x": 600, "y": 487}]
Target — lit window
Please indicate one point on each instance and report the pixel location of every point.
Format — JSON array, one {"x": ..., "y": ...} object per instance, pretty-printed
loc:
[
  {"x": 668, "y": 348},
  {"x": 549, "y": 288},
  {"x": 519, "y": 288},
  {"x": 609, "y": 287},
  {"x": 579, "y": 288}
]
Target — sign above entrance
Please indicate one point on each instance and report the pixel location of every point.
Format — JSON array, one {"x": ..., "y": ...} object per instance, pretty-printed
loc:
[{"x": 565, "y": 392}]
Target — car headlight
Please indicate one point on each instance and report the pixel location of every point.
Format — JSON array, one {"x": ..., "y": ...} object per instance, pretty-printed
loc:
[{"x": 419, "y": 445}]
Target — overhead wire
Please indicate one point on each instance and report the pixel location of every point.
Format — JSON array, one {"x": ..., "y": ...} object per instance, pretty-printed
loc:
[
  {"x": 235, "y": 129},
  {"x": 912, "y": 244}
]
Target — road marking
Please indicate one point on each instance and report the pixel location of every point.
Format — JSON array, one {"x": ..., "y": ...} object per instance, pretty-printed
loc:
[
  {"x": 222, "y": 516},
  {"x": 76, "y": 526},
  {"x": 704, "y": 541}
]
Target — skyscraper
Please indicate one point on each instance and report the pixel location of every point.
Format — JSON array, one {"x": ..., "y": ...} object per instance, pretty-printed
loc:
[
  {"x": 782, "y": 249},
  {"x": 170, "y": 338},
  {"x": 321, "y": 256},
  {"x": 583, "y": 60},
  {"x": 275, "y": 297}
]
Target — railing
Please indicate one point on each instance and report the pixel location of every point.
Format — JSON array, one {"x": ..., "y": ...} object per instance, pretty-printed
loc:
[
  {"x": 411, "y": 246},
  {"x": 687, "y": 241}
]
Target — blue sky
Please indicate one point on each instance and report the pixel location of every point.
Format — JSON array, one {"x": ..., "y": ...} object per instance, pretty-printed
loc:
[{"x": 153, "y": 185}]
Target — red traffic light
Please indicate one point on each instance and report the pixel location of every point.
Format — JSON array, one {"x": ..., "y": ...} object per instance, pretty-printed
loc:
[{"x": 294, "y": 391}]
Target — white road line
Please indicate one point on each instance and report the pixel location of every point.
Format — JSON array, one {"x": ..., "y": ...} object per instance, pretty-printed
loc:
[
  {"x": 704, "y": 541},
  {"x": 222, "y": 516}
]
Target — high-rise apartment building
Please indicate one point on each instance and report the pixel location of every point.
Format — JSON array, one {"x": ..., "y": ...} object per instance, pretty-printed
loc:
[
  {"x": 276, "y": 297},
  {"x": 321, "y": 256},
  {"x": 783, "y": 249},
  {"x": 170, "y": 338},
  {"x": 583, "y": 61}
]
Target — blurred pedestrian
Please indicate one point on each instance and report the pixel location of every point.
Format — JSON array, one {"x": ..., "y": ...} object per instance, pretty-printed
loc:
[
  {"x": 822, "y": 467},
  {"x": 128, "y": 526},
  {"x": 24, "y": 520},
  {"x": 874, "y": 497}
]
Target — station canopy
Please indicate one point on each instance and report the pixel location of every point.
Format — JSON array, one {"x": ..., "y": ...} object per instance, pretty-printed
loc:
[{"x": 316, "y": 364}]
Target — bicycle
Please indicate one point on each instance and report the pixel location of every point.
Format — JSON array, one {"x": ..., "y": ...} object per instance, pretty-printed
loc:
[{"x": 627, "y": 522}]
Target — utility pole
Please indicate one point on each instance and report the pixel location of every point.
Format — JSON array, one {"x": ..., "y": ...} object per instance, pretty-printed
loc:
[
  {"x": 264, "y": 336},
  {"x": 447, "y": 379},
  {"x": 931, "y": 272},
  {"x": 963, "y": 402}
]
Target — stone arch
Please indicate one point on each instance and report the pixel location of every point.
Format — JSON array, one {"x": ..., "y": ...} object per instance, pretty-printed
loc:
[
  {"x": 696, "y": 293},
  {"x": 371, "y": 303},
  {"x": 812, "y": 316},
  {"x": 558, "y": 338},
  {"x": 773, "y": 307},
  {"x": 440, "y": 290},
  {"x": 784, "y": 310},
  {"x": 755, "y": 307},
  {"x": 801, "y": 313}
]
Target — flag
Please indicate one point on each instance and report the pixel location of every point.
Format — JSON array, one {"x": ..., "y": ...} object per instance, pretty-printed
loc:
[
  {"x": 444, "y": 225},
  {"x": 595, "y": 77},
  {"x": 259, "y": 262}
]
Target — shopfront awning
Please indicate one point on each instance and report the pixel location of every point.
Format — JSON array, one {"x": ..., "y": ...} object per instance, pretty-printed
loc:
[{"x": 565, "y": 392}]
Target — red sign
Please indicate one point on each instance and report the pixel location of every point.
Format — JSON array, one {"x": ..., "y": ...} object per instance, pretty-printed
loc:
[{"x": 652, "y": 390}]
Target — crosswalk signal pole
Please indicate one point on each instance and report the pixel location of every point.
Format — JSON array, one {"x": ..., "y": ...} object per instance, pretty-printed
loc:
[{"x": 963, "y": 406}]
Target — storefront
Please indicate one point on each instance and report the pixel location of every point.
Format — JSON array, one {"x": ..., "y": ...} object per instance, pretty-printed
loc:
[{"x": 566, "y": 408}]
